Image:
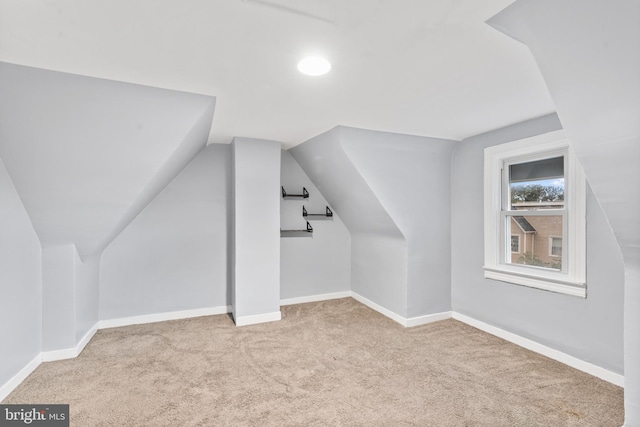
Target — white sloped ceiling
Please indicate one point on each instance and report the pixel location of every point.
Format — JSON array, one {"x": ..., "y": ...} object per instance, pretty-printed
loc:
[{"x": 87, "y": 154}]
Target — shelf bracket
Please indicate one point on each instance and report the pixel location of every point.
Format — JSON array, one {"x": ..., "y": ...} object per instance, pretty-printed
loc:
[
  {"x": 298, "y": 233},
  {"x": 327, "y": 214},
  {"x": 304, "y": 195}
]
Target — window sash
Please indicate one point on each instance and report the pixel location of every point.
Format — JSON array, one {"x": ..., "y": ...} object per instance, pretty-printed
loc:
[
  {"x": 505, "y": 235},
  {"x": 511, "y": 161},
  {"x": 571, "y": 279}
]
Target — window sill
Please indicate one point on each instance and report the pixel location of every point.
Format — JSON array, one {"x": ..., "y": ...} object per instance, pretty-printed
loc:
[{"x": 560, "y": 286}]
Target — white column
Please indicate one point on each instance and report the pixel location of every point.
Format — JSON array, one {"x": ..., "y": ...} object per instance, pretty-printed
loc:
[{"x": 256, "y": 231}]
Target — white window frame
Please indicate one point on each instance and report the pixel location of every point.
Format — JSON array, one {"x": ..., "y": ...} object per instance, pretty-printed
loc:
[{"x": 572, "y": 279}]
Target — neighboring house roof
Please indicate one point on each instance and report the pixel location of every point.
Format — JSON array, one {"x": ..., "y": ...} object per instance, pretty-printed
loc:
[{"x": 524, "y": 224}]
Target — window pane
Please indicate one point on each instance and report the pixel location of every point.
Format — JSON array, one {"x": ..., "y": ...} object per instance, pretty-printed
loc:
[
  {"x": 539, "y": 240},
  {"x": 537, "y": 185}
]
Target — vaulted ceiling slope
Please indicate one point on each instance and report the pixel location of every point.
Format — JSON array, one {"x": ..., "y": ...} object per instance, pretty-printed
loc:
[
  {"x": 589, "y": 53},
  {"x": 86, "y": 154},
  {"x": 384, "y": 187},
  {"x": 429, "y": 68}
]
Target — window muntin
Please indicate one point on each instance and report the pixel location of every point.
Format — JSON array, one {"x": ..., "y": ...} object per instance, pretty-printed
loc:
[{"x": 559, "y": 211}]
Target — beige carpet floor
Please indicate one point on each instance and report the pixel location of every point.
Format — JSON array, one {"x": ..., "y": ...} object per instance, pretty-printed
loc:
[{"x": 332, "y": 363}]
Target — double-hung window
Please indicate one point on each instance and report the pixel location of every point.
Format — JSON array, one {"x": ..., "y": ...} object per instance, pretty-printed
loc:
[{"x": 535, "y": 231}]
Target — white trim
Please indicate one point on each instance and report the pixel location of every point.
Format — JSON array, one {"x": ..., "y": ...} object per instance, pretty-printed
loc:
[
  {"x": 407, "y": 323},
  {"x": 551, "y": 353},
  {"x": 428, "y": 318},
  {"x": 567, "y": 288},
  {"x": 258, "y": 318},
  {"x": 16, "y": 380},
  {"x": 573, "y": 272},
  {"x": 315, "y": 298},
  {"x": 380, "y": 309},
  {"x": 86, "y": 338},
  {"x": 162, "y": 317},
  {"x": 71, "y": 352},
  {"x": 61, "y": 354}
]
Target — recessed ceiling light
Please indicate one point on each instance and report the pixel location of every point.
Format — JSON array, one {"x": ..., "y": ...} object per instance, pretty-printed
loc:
[{"x": 314, "y": 66}]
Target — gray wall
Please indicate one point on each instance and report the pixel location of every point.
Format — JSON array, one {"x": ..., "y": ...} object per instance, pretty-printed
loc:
[
  {"x": 87, "y": 154},
  {"x": 192, "y": 143},
  {"x": 392, "y": 191},
  {"x": 69, "y": 297},
  {"x": 317, "y": 265},
  {"x": 87, "y": 295},
  {"x": 173, "y": 256},
  {"x": 58, "y": 297},
  {"x": 20, "y": 283},
  {"x": 410, "y": 176},
  {"x": 378, "y": 247},
  {"x": 589, "y": 329}
]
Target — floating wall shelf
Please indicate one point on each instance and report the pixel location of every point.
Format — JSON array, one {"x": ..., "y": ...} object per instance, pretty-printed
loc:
[
  {"x": 304, "y": 195},
  {"x": 298, "y": 233},
  {"x": 314, "y": 216}
]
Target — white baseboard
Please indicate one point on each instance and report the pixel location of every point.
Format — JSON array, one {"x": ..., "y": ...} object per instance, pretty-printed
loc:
[
  {"x": 86, "y": 338},
  {"x": 315, "y": 298},
  {"x": 161, "y": 317},
  {"x": 61, "y": 354},
  {"x": 258, "y": 318},
  {"x": 15, "y": 381},
  {"x": 551, "y": 353},
  {"x": 406, "y": 322},
  {"x": 428, "y": 318},
  {"x": 380, "y": 309},
  {"x": 71, "y": 352}
]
